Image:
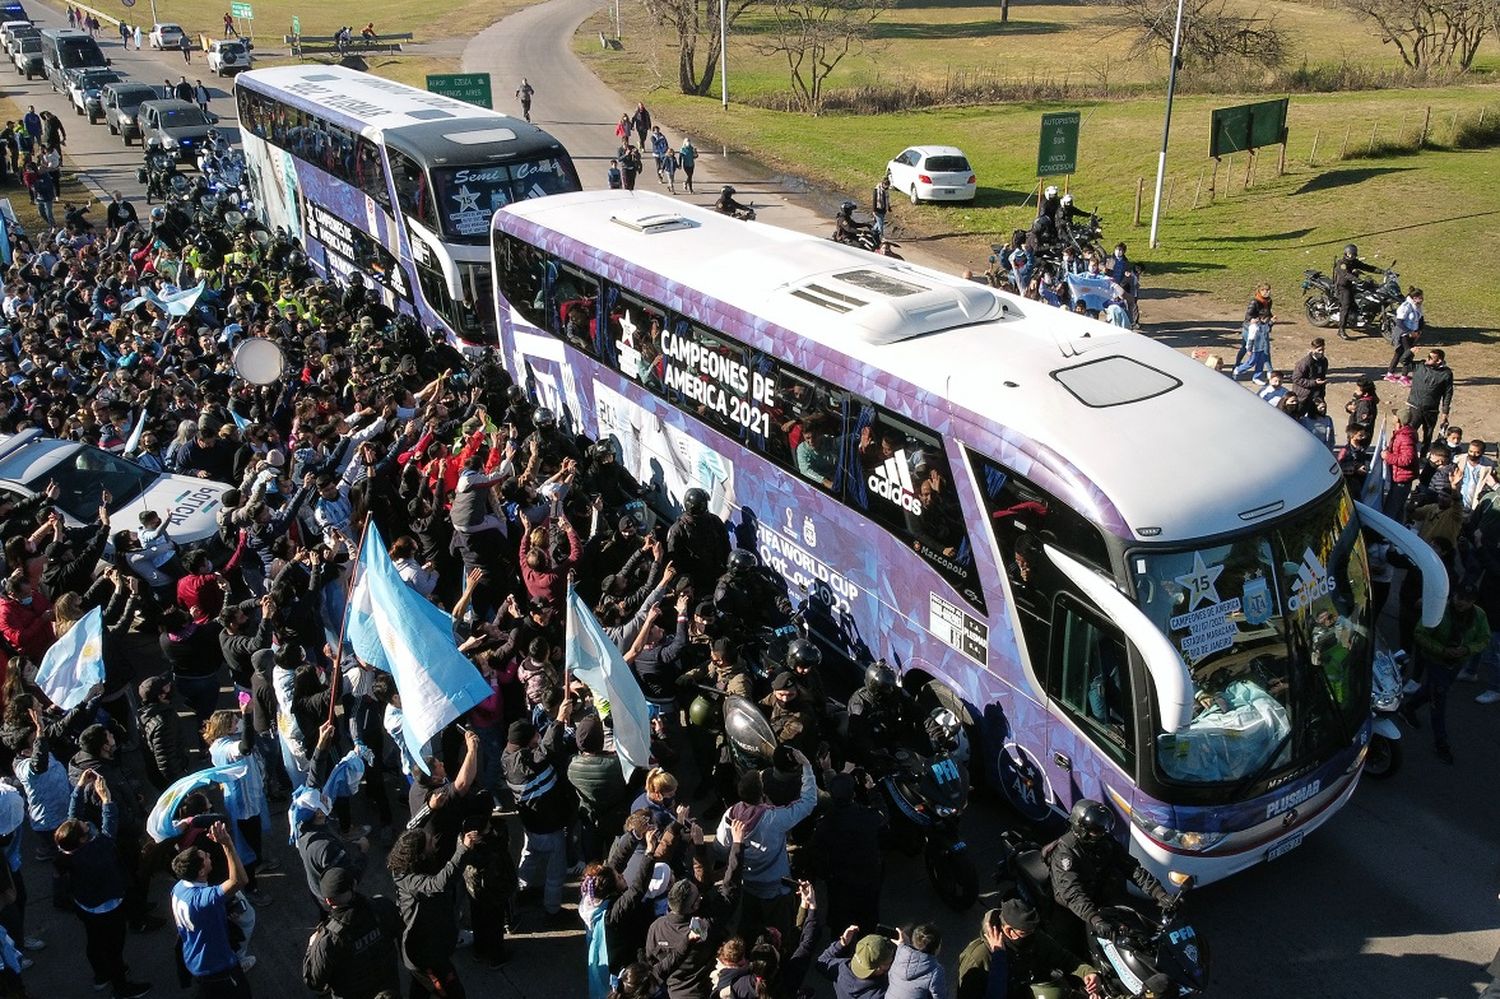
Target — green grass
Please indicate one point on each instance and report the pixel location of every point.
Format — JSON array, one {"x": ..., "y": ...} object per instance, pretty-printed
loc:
[{"x": 1408, "y": 208}]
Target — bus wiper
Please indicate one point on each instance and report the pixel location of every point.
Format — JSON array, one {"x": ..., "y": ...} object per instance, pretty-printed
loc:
[{"x": 1262, "y": 770}]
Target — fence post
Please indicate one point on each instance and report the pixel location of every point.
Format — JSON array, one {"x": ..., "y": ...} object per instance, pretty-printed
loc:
[
  {"x": 1402, "y": 130},
  {"x": 1345, "y": 147},
  {"x": 1426, "y": 123},
  {"x": 1199, "y": 191},
  {"x": 1281, "y": 161},
  {"x": 1213, "y": 181},
  {"x": 1171, "y": 185},
  {"x": 1374, "y": 129},
  {"x": 1228, "y": 174},
  {"x": 1140, "y": 187},
  {"x": 1249, "y": 171},
  {"x": 1312, "y": 157}
]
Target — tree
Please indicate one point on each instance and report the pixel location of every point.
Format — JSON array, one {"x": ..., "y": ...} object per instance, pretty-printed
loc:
[
  {"x": 1431, "y": 34},
  {"x": 696, "y": 22},
  {"x": 815, "y": 36},
  {"x": 1211, "y": 34}
]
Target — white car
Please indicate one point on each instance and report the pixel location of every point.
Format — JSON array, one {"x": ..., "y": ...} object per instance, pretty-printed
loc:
[
  {"x": 10, "y": 31},
  {"x": 933, "y": 173},
  {"x": 28, "y": 461},
  {"x": 227, "y": 57},
  {"x": 167, "y": 36},
  {"x": 85, "y": 87}
]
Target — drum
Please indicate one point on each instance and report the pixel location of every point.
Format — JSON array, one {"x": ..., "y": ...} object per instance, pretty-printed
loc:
[{"x": 258, "y": 361}]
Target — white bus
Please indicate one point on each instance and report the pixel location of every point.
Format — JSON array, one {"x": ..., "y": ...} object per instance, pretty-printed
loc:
[
  {"x": 393, "y": 182},
  {"x": 1135, "y": 581}
]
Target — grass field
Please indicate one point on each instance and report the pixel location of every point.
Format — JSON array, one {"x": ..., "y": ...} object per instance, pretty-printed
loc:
[{"x": 1414, "y": 209}]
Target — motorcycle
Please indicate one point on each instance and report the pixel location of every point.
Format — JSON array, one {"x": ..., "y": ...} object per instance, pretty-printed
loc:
[
  {"x": 1138, "y": 950},
  {"x": 159, "y": 174},
  {"x": 746, "y": 214},
  {"x": 863, "y": 237},
  {"x": 926, "y": 794},
  {"x": 1383, "y": 758},
  {"x": 1374, "y": 302}
]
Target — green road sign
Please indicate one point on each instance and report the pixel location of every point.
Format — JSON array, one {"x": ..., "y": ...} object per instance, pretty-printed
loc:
[
  {"x": 242, "y": 10},
  {"x": 471, "y": 87},
  {"x": 296, "y": 25},
  {"x": 1057, "y": 150},
  {"x": 1247, "y": 126}
]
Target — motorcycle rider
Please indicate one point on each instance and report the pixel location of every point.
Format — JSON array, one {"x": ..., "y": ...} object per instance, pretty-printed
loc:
[
  {"x": 876, "y": 714},
  {"x": 1050, "y": 202},
  {"x": 748, "y": 595},
  {"x": 1066, "y": 213},
  {"x": 161, "y": 167},
  {"x": 726, "y": 205},
  {"x": 1346, "y": 271},
  {"x": 848, "y": 230},
  {"x": 698, "y": 543},
  {"x": 1089, "y": 868}
]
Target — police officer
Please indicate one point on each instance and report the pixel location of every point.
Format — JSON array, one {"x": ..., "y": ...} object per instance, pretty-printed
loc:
[
  {"x": 352, "y": 953},
  {"x": 726, "y": 205},
  {"x": 1346, "y": 271},
  {"x": 847, "y": 230},
  {"x": 875, "y": 711},
  {"x": 748, "y": 595},
  {"x": 551, "y": 445},
  {"x": 698, "y": 543},
  {"x": 1089, "y": 867}
]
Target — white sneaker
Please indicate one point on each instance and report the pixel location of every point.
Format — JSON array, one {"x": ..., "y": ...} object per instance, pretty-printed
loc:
[
  {"x": 247, "y": 962},
  {"x": 465, "y": 938},
  {"x": 1488, "y": 697},
  {"x": 1466, "y": 675},
  {"x": 32, "y": 943}
]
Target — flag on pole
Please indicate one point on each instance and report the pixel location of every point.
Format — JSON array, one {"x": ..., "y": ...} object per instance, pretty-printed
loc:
[
  {"x": 159, "y": 823},
  {"x": 133, "y": 442},
  {"x": 594, "y": 659},
  {"x": 1373, "y": 491},
  {"x": 74, "y": 663},
  {"x": 395, "y": 629}
]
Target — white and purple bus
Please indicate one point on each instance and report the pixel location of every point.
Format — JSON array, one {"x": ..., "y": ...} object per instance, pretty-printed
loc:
[
  {"x": 1134, "y": 580},
  {"x": 395, "y": 183}
]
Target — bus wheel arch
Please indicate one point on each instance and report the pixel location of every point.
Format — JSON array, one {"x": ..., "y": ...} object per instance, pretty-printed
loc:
[{"x": 930, "y": 693}]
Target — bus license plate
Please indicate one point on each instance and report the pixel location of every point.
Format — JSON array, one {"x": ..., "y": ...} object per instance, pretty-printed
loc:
[{"x": 1285, "y": 846}]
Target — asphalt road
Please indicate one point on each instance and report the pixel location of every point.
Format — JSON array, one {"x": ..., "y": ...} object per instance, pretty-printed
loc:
[{"x": 1395, "y": 897}]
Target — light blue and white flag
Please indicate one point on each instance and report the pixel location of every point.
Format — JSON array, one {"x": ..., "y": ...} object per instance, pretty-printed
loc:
[
  {"x": 394, "y": 628},
  {"x": 1093, "y": 290},
  {"x": 133, "y": 442},
  {"x": 75, "y": 663},
  {"x": 1373, "y": 491},
  {"x": 159, "y": 823},
  {"x": 343, "y": 780},
  {"x": 594, "y": 659}
]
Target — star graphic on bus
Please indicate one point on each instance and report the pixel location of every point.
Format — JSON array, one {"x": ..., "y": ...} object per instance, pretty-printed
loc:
[
  {"x": 1201, "y": 582},
  {"x": 468, "y": 201}
]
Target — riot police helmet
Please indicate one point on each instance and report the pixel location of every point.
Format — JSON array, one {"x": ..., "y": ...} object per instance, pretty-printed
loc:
[
  {"x": 695, "y": 500},
  {"x": 803, "y": 655},
  {"x": 1091, "y": 821}
]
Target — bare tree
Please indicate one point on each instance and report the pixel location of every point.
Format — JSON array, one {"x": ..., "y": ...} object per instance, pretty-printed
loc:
[
  {"x": 1431, "y": 34},
  {"x": 1211, "y": 33},
  {"x": 696, "y": 23},
  {"x": 814, "y": 36}
]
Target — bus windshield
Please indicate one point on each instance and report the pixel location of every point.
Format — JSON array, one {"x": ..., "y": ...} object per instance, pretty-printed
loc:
[
  {"x": 1276, "y": 629},
  {"x": 468, "y": 196},
  {"x": 75, "y": 52}
]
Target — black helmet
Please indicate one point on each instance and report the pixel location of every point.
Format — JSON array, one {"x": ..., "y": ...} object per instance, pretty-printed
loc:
[
  {"x": 515, "y": 395},
  {"x": 695, "y": 500},
  {"x": 879, "y": 677},
  {"x": 726, "y": 190},
  {"x": 544, "y": 419},
  {"x": 601, "y": 450},
  {"x": 742, "y": 561},
  {"x": 803, "y": 655},
  {"x": 1091, "y": 821},
  {"x": 1351, "y": 250},
  {"x": 847, "y": 207}
]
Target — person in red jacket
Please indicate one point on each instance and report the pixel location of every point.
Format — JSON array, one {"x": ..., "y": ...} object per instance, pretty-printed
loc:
[
  {"x": 1400, "y": 456},
  {"x": 546, "y": 578},
  {"x": 25, "y": 618}
]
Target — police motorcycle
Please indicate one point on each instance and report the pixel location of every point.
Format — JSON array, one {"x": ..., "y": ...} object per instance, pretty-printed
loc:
[
  {"x": 159, "y": 174},
  {"x": 851, "y": 232},
  {"x": 1374, "y": 302},
  {"x": 1387, "y": 684},
  {"x": 1163, "y": 958},
  {"x": 926, "y": 789}
]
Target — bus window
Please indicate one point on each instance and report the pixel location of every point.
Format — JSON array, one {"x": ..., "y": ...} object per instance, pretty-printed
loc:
[
  {"x": 520, "y": 270},
  {"x": 808, "y": 428},
  {"x": 633, "y": 336},
  {"x": 435, "y": 290},
  {"x": 906, "y": 486},
  {"x": 369, "y": 173},
  {"x": 411, "y": 188},
  {"x": 1089, "y": 676},
  {"x": 572, "y": 305}
]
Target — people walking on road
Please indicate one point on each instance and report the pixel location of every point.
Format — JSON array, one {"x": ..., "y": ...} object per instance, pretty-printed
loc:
[
  {"x": 669, "y": 168},
  {"x": 183, "y": 90},
  {"x": 688, "y": 157},
  {"x": 187, "y": 49},
  {"x": 229, "y": 28},
  {"x": 1408, "y": 326},
  {"x": 880, "y": 204},
  {"x": 139, "y": 37},
  {"x": 200, "y": 96},
  {"x": 1454, "y": 645},
  {"x": 630, "y": 166},
  {"x": 659, "y": 147},
  {"x": 124, "y": 35},
  {"x": 641, "y": 121},
  {"x": 622, "y": 129},
  {"x": 612, "y": 176},
  {"x": 524, "y": 93}
]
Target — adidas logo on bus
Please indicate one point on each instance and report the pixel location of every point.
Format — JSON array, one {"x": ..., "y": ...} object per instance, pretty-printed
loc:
[
  {"x": 1313, "y": 581},
  {"x": 891, "y": 480}
]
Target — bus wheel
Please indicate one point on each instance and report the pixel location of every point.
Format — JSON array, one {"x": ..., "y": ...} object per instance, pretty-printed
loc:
[{"x": 1023, "y": 783}]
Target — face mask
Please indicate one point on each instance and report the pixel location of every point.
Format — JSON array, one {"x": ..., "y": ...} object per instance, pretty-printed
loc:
[{"x": 26, "y": 601}]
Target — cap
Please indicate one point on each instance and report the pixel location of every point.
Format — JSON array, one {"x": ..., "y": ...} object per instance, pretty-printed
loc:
[
  {"x": 1019, "y": 915},
  {"x": 588, "y": 733},
  {"x": 661, "y": 880},
  {"x": 870, "y": 953},
  {"x": 520, "y": 732},
  {"x": 275, "y": 458},
  {"x": 628, "y": 525},
  {"x": 784, "y": 681},
  {"x": 841, "y": 787},
  {"x": 337, "y": 884}
]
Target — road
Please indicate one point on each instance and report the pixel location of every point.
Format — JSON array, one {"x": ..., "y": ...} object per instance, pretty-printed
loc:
[{"x": 1395, "y": 897}]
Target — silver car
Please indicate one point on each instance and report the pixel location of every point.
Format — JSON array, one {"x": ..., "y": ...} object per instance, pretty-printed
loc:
[{"x": 122, "y": 104}]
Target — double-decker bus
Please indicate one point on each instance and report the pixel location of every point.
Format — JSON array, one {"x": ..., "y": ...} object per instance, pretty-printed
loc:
[
  {"x": 1132, "y": 579},
  {"x": 395, "y": 183}
]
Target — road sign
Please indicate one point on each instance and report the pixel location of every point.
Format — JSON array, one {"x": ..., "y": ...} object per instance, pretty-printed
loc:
[
  {"x": 128, "y": 3},
  {"x": 1057, "y": 150},
  {"x": 471, "y": 87},
  {"x": 296, "y": 25},
  {"x": 1247, "y": 126},
  {"x": 242, "y": 10}
]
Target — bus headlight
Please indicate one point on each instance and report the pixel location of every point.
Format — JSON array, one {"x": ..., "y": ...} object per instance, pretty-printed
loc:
[{"x": 1182, "y": 840}]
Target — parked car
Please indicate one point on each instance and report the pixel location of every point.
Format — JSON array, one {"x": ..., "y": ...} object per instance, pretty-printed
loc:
[
  {"x": 28, "y": 57},
  {"x": 122, "y": 103},
  {"x": 29, "y": 461},
  {"x": 167, "y": 36},
  {"x": 84, "y": 90},
  {"x": 933, "y": 173},
  {"x": 12, "y": 31},
  {"x": 179, "y": 127},
  {"x": 12, "y": 11},
  {"x": 227, "y": 57}
]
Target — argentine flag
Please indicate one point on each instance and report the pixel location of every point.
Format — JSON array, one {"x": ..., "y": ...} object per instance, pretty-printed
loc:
[
  {"x": 74, "y": 663},
  {"x": 394, "y": 628},
  {"x": 159, "y": 823},
  {"x": 595, "y": 660}
]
